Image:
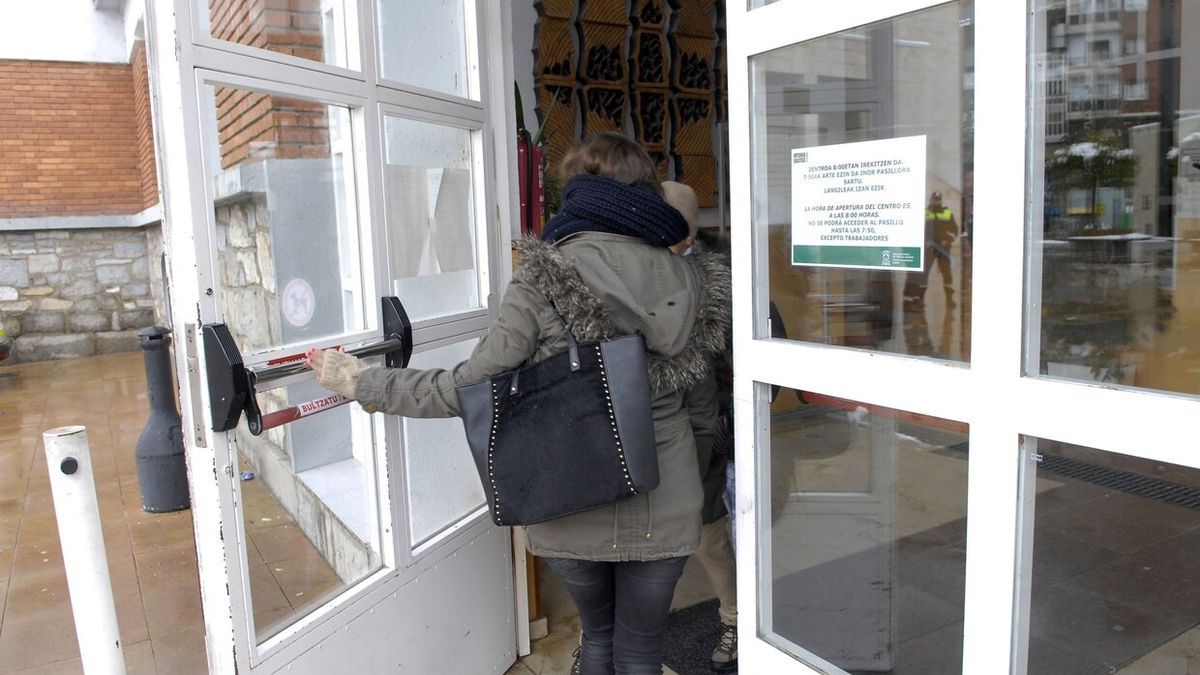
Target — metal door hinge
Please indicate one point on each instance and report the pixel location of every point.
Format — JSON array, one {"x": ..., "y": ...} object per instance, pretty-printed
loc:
[{"x": 193, "y": 380}]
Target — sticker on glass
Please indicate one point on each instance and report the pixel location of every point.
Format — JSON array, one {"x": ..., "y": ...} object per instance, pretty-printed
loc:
[
  {"x": 859, "y": 204},
  {"x": 299, "y": 302}
]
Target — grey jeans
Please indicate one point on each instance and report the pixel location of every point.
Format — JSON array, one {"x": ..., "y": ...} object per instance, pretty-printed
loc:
[{"x": 623, "y": 607}]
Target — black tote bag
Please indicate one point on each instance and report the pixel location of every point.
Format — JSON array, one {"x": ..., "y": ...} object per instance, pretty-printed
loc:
[{"x": 567, "y": 434}]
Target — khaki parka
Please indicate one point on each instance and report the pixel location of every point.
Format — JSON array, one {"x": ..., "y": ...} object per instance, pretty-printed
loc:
[{"x": 605, "y": 285}]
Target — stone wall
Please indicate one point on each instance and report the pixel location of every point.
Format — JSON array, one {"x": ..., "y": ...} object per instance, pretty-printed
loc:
[
  {"x": 70, "y": 293},
  {"x": 246, "y": 254}
]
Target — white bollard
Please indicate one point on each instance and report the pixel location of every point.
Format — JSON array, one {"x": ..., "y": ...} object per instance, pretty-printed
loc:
[{"x": 70, "y": 464}]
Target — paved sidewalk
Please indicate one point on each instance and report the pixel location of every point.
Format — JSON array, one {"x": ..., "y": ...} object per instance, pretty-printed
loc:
[{"x": 151, "y": 557}]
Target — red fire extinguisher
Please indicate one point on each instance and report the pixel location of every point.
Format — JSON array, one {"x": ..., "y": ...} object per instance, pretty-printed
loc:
[{"x": 531, "y": 177}]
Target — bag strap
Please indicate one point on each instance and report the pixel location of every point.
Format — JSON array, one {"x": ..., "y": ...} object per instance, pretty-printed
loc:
[{"x": 572, "y": 344}]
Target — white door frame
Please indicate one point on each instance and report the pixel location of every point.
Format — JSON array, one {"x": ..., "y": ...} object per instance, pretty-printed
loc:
[
  {"x": 183, "y": 59},
  {"x": 993, "y": 394}
]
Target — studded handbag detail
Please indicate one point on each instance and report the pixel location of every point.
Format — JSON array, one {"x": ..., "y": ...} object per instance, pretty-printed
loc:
[{"x": 567, "y": 434}]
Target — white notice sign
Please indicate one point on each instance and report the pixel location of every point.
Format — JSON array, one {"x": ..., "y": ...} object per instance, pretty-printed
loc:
[{"x": 860, "y": 204}]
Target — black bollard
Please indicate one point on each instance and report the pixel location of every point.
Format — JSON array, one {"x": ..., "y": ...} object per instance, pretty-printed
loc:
[{"x": 162, "y": 473}]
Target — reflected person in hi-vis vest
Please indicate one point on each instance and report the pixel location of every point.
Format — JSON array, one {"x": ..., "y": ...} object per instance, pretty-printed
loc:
[{"x": 940, "y": 232}]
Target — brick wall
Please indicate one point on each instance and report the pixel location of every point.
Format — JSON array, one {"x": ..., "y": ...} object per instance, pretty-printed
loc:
[
  {"x": 68, "y": 140},
  {"x": 283, "y": 26},
  {"x": 144, "y": 125},
  {"x": 253, "y": 126}
]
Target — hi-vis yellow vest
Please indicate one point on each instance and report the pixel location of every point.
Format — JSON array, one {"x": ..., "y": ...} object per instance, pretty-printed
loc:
[{"x": 944, "y": 214}]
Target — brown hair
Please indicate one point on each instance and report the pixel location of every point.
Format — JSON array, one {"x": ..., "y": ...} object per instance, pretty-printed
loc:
[{"x": 613, "y": 156}]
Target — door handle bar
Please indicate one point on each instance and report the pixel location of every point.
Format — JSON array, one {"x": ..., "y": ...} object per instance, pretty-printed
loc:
[
  {"x": 232, "y": 386},
  {"x": 296, "y": 364},
  {"x": 292, "y": 413}
]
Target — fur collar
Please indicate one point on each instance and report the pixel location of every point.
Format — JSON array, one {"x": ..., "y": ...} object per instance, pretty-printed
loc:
[{"x": 546, "y": 268}]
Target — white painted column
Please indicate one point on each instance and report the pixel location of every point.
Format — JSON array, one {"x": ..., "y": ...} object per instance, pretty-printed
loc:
[{"x": 78, "y": 514}]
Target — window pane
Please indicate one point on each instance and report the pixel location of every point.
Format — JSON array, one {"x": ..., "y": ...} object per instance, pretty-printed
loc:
[
  {"x": 287, "y": 232},
  {"x": 443, "y": 484},
  {"x": 431, "y": 217},
  {"x": 1115, "y": 204},
  {"x": 861, "y": 149},
  {"x": 309, "y": 29},
  {"x": 310, "y": 507},
  {"x": 288, "y": 270},
  {"x": 866, "y": 546},
  {"x": 1116, "y": 546},
  {"x": 424, "y": 44}
]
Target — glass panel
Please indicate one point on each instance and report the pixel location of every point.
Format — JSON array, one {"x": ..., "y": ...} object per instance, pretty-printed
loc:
[
  {"x": 309, "y": 29},
  {"x": 1116, "y": 546},
  {"x": 862, "y": 148},
  {"x": 866, "y": 544},
  {"x": 443, "y": 484},
  {"x": 429, "y": 195},
  {"x": 424, "y": 44},
  {"x": 310, "y": 507},
  {"x": 288, "y": 264},
  {"x": 287, "y": 231},
  {"x": 1115, "y": 156}
]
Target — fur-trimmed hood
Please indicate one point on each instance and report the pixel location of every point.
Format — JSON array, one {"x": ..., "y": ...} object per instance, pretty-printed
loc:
[{"x": 684, "y": 328}]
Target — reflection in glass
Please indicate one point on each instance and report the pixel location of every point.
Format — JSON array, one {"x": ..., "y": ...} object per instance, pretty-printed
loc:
[
  {"x": 1116, "y": 547},
  {"x": 867, "y": 537},
  {"x": 309, "y": 505},
  {"x": 288, "y": 265},
  {"x": 1115, "y": 155},
  {"x": 443, "y": 484},
  {"x": 308, "y": 29},
  {"x": 430, "y": 217},
  {"x": 286, "y": 235},
  {"x": 908, "y": 76},
  {"x": 424, "y": 44}
]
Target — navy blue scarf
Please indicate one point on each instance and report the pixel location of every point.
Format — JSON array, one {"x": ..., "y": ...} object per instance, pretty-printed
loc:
[{"x": 599, "y": 204}]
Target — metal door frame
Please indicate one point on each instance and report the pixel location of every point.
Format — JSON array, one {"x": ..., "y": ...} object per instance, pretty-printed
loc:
[
  {"x": 184, "y": 58},
  {"x": 1093, "y": 415}
]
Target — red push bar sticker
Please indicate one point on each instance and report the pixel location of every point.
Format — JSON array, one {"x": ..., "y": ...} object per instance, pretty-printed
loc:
[
  {"x": 320, "y": 404},
  {"x": 293, "y": 413}
]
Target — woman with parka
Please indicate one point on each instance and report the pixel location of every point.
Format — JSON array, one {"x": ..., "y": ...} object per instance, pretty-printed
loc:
[{"x": 602, "y": 263}]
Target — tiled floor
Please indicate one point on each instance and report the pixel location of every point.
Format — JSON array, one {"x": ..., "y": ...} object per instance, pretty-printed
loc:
[
  {"x": 152, "y": 560},
  {"x": 151, "y": 557}
]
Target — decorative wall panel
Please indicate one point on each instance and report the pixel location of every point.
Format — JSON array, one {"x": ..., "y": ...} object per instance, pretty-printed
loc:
[
  {"x": 559, "y": 9},
  {"x": 655, "y": 68},
  {"x": 554, "y": 53},
  {"x": 614, "y": 12},
  {"x": 602, "y": 48},
  {"x": 605, "y": 109},
  {"x": 558, "y": 110},
  {"x": 650, "y": 118}
]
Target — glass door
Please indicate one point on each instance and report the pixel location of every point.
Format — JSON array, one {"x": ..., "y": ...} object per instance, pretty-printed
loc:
[
  {"x": 973, "y": 225},
  {"x": 323, "y": 191}
]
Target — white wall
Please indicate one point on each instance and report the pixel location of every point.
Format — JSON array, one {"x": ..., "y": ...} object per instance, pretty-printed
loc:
[
  {"x": 133, "y": 18},
  {"x": 61, "y": 30},
  {"x": 524, "y": 16}
]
